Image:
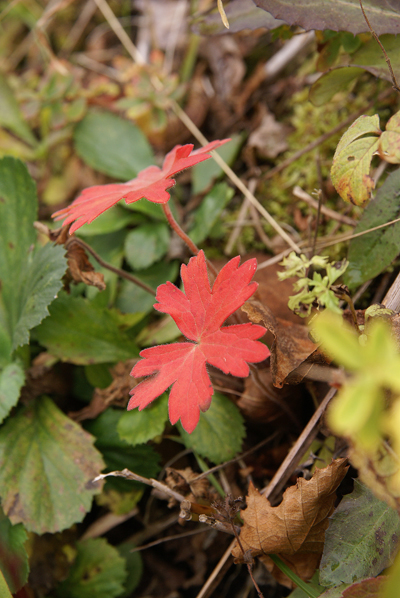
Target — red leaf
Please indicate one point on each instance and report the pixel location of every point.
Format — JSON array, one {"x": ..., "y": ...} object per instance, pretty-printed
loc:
[
  {"x": 151, "y": 183},
  {"x": 199, "y": 315}
]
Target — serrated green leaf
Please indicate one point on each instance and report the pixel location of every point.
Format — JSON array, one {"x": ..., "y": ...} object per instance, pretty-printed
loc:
[
  {"x": 13, "y": 557},
  {"x": 370, "y": 254},
  {"x": 331, "y": 83},
  {"x": 112, "y": 145},
  {"x": 146, "y": 244},
  {"x": 133, "y": 299},
  {"x": 205, "y": 173},
  {"x": 210, "y": 209},
  {"x": 137, "y": 427},
  {"x": 29, "y": 280},
  {"x": 219, "y": 433},
  {"x": 339, "y": 340},
  {"x": 98, "y": 571},
  {"x": 118, "y": 454},
  {"x": 47, "y": 463},
  {"x": 352, "y": 160},
  {"x": 10, "y": 114},
  {"x": 12, "y": 379},
  {"x": 361, "y": 540},
  {"x": 81, "y": 332}
]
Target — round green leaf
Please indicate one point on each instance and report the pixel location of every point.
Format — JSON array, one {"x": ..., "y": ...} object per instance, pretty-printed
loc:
[
  {"x": 146, "y": 244},
  {"x": 112, "y": 145},
  {"x": 98, "y": 571},
  {"x": 137, "y": 427},
  {"x": 47, "y": 463},
  {"x": 219, "y": 433},
  {"x": 13, "y": 557}
]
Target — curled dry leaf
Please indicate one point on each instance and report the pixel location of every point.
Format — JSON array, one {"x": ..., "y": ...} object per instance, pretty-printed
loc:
[
  {"x": 298, "y": 524},
  {"x": 291, "y": 346},
  {"x": 80, "y": 268},
  {"x": 181, "y": 480}
]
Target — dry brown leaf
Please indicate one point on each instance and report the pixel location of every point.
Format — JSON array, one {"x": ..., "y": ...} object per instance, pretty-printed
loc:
[
  {"x": 298, "y": 524},
  {"x": 181, "y": 480},
  {"x": 291, "y": 346},
  {"x": 303, "y": 565},
  {"x": 80, "y": 268}
]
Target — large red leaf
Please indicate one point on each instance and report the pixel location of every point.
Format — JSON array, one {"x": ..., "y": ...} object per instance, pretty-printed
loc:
[
  {"x": 199, "y": 314},
  {"x": 152, "y": 183}
]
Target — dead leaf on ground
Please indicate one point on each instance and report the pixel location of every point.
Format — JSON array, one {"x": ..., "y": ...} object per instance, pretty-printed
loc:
[
  {"x": 181, "y": 480},
  {"x": 303, "y": 565},
  {"x": 291, "y": 346},
  {"x": 269, "y": 139},
  {"x": 298, "y": 524}
]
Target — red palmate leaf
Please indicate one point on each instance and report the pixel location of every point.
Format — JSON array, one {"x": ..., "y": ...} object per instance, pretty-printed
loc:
[
  {"x": 199, "y": 315},
  {"x": 151, "y": 183}
]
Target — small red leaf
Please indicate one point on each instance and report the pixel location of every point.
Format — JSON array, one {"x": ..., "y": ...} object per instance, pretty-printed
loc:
[
  {"x": 199, "y": 314},
  {"x": 151, "y": 183}
]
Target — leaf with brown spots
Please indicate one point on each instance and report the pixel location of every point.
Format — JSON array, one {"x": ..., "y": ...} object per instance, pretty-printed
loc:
[
  {"x": 80, "y": 269},
  {"x": 297, "y": 526}
]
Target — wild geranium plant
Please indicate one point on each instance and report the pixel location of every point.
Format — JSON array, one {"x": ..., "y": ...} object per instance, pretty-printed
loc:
[{"x": 199, "y": 312}]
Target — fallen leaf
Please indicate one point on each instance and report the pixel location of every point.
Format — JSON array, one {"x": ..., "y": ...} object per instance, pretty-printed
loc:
[
  {"x": 291, "y": 347},
  {"x": 152, "y": 183},
  {"x": 298, "y": 524},
  {"x": 199, "y": 315},
  {"x": 303, "y": 565}
]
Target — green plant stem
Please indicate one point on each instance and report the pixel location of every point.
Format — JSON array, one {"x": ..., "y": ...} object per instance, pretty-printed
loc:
[
  {"x": 4, "y": 589},
  {"x": 117, "y": 271},
  {"x": 310, "y": 590},
  {"x": 175, "y": 226},
  {"x": 203, "y": 466},
  {"x": 190, "y": 58}
]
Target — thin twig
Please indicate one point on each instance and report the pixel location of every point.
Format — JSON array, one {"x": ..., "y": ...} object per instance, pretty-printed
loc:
[
  {"x": 303, "y": 442},
  {"x": 192, "y": 532},
  {"x": 241, "y": 456},
  {"x": 108, "y": 266},
  {"x": 301, "y": 194},
  {"x": 378, "y": 41},
  {"x": 130, "y": 475}
]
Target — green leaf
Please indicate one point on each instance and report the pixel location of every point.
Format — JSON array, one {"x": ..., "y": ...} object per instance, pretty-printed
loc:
[
  {"x": 137, "y": 427},
  {"x": 29, "y": 281},
  {"x": 370, "y": 254},
  {"x": 118, "y": 454},
  {"x": 339, "y": 339},
  {"x": 115, "y": 219},
  {"x": 133, "y": 299},
  {"x": 338, "y": 15},
  {"x": 205, "y": 173},
  {"x": 81, "y": 332},
  {"x": 98, "y": 571},
  {"x": 371, "y": 58},
  {"x": 362, "y": 538},
  {"x": 112, "y": 145},
  {"x": 10, "y": 114},
  {"x": 12, "y": 379},
  {"x": 47, "y": 463},
  {"x": 147, "y": 244},
  {"x": 134, "y": 566},
  {"x": 331, "y": 83},
  {"x": 352, "y": 160},
  {"x": 13, "y": 557},
  {"x": 209, "y": 211},
  {"x": 219, "y": 433}
]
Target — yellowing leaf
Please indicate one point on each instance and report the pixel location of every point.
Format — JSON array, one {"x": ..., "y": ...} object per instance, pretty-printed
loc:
[
  {"x": 298, "y": 524},
  {"x": 352, "y": 160},
  {"x": 389, "y": 143}
]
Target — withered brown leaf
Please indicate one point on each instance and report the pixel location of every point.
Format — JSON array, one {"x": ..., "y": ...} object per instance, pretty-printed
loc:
[
  {"x": 291, "y": 347},
  {"x": 298, "y": 524}
]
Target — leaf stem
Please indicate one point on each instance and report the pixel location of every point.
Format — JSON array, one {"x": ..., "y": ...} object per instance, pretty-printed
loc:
[
  {"x": 310, "y": 590},
  {"x": 185, "y": 238},
  {"x": 203, "y": 466},
  {"x": 108, "y": 266}
]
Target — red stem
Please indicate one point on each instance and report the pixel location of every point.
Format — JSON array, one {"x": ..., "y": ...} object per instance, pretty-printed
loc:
[{"x": 175, "y": 226}]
